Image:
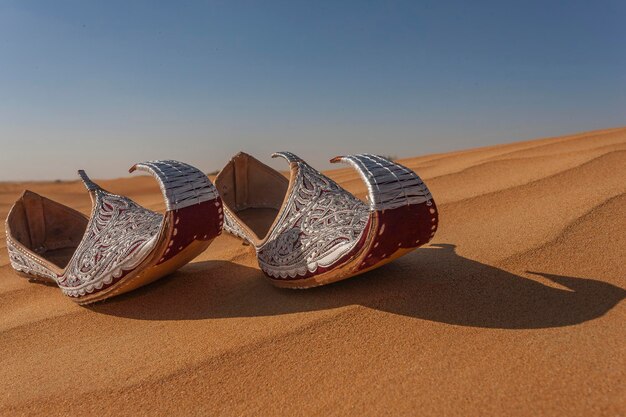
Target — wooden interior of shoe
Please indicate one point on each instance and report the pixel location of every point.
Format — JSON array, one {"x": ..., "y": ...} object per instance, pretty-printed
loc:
[
  {"x": 253, "y": 191},
  {"x": 49, "y": 229}
]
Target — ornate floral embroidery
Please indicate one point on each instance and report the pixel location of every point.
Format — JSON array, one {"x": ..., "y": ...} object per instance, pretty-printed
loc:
[
  {"x": 319, "y": 224},
  {"x": 119, "y": 236}
]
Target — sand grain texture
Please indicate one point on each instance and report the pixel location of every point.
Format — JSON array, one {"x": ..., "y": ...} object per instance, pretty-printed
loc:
[{"x": 514, "y": 309}]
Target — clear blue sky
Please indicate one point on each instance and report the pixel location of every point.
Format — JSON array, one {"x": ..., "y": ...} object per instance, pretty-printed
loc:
[{"x": 101, "y": 85}]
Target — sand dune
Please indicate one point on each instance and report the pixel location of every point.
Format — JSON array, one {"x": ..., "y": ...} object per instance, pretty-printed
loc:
[{"x": 514, "y": 309}]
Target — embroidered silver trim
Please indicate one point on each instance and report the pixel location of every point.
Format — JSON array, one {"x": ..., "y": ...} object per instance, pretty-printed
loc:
[
  {"x": 22, "y": 262},
  {"x": 232, "y": 226},
  {"x": 119, "y": 236},
  {"x": 319, "y": 224},
  {"x": 390, "y": 185},
  {"x": 182, "y": 185}
]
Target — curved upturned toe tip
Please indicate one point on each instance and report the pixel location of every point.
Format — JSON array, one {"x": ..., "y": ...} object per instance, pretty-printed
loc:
[
  {"x": 194, "y": 208},
  {"x": 403, "y": 213}
]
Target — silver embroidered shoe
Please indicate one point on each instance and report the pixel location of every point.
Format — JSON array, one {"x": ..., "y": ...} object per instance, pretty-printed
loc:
[
  {"x": 122, "y": 245},
  {"x": 308, "y": 231}
]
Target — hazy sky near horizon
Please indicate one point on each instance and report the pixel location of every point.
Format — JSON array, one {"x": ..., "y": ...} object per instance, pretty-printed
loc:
[{"x": 102, "y": 85}]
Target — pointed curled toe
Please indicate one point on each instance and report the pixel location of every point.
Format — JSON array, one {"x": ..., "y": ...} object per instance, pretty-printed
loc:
[
  {"x": 121, "y": 245},
  {"x": 308, "y": 231}
]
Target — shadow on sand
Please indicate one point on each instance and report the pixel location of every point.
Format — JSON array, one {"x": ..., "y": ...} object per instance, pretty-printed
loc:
[{"x": 431, "y": 283}]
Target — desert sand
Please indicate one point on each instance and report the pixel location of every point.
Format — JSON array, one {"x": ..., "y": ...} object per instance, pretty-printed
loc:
[{"x": 514, "y": 309}]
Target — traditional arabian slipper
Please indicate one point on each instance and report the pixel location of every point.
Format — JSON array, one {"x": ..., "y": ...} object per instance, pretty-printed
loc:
[
  {"x": 308, "y": 231},
  {"x": 122, "y": 245}
]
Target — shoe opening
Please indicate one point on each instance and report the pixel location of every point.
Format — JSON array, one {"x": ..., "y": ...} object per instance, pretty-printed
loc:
[
  {"x": 253, "y": 192},
  {"x": 49, "y": 229}
]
